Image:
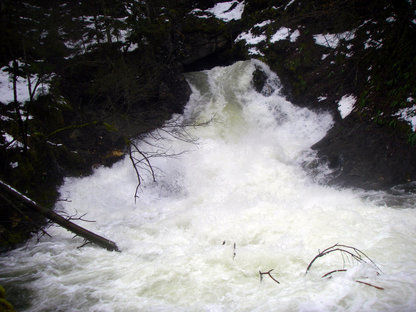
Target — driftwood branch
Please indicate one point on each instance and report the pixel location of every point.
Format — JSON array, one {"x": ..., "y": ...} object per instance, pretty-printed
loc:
[
  {"x": 58, "y": 219},
  {"x": 347, "y": 251},
  {"x": 371, "y": 285},
  {"x": 269, "y": 274},
  {"x": 353, "y": 252},
  {"x": 334, "y": 271}
]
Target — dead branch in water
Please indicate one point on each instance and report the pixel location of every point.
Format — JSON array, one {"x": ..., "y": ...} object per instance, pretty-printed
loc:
[
  {"x": 348, "y": 251},
  {"x": 345, "y": 250},
  {"x": 371, "y": 285},
  {"x": 353, "y": 252},
  {"x": 269, "y": 274},
  {"x": 334, "y": 271}
]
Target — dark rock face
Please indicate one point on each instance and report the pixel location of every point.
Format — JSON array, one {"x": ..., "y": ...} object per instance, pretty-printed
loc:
[
  {"x": 366, "y": 155},
  {"x": 259, "y": 80},
  {"x": 201, "y": 45}
]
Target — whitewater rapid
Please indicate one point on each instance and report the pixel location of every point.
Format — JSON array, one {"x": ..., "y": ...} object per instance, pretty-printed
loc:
[{"x": 233, "y": 199}]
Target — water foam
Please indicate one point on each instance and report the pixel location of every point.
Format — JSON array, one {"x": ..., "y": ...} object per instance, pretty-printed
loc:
[{"x": 236, "y": 203}]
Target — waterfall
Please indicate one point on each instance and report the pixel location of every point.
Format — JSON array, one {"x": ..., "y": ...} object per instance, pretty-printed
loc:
[{"x": 231, "y": 199}]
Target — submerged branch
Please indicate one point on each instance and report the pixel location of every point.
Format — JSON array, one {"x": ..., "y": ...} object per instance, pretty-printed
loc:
[
  {"x": 334, "y": 271},
  {"x": 269, "y": 274},
  {"x": 371, "y": 285},
  {"x": 347, "y": 251},
  {"x": 353, "y": 252}
]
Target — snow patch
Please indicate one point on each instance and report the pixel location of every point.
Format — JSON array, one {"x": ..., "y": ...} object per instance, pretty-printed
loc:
[
  {"x": 227, "y": 11},
  {"x": 346, "y": 105},
  {"x": 255, "y": 51},
  {"x": 250, "y": 38},
  {"x": 408, "y": 114},
  {"x": 262, "y": 24},
  {"x": 6, "y": 87},
  {"x": 22, "y": 90},
  {"x": 281, "y": 34},
  {"x": 332, "y": 40},
  {"x": 200, "y": 13},
  {"x": 370, "y": 43},
  {"x": 289, "y": 4},
  {"x": 10, "y": 141},
  {"x": 322, "y": 98},
  {"x": 294, "y": 36}
]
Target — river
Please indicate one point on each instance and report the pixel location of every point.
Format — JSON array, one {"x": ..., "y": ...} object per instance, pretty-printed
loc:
[{"x": 231, "y": 199}]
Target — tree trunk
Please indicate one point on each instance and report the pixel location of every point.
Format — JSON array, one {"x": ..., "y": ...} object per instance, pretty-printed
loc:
[{"x": 56, "y": 218}]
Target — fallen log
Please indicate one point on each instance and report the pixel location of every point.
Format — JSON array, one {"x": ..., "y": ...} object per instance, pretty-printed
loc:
[{"x": 58, "y": 219}]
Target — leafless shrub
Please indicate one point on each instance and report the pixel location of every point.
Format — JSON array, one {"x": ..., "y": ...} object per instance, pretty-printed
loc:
[{"x": 141, "y": 159}]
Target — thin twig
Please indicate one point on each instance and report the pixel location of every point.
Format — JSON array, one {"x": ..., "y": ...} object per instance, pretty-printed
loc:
[
  {"x": 85, "y": 244},
  {"x": 334, "y": 271},
  {"x": 368, "y": 284},
  {"x": 269, "y": 274},
  {"x": 355, "y": 253}
]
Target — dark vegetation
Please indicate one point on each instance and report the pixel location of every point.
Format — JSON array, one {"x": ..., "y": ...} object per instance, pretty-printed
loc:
[{"x": 101, "y": 73}]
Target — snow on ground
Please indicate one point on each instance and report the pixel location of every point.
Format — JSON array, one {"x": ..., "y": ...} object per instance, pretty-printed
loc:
[
  {"x": 226, "y": 12},
  {"x": 10, "y": 141},
  {"x": 6, "y": 87},
  {"x": 408, "y": 114},
  {"x": 321, "y": 98},
  {"x": 332, "y": 40},
  {"x": 290, "y": 3},
  {"x": 281, "y": 34},
  {"x": 262, "y": 24},
  {"x": 294, "y": 36},
  {"x": 255, "y": 51},
  {"x": 250, "y": 38},
  {"x": 370, "y": 43},
  {"x": 346, "y": 105}
]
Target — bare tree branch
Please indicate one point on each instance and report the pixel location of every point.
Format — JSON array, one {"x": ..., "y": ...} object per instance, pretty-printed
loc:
[
  {"x": 347, "y": 252},
  {"x": 140, "y": 159},
  {"x": 353, "y": 252}
]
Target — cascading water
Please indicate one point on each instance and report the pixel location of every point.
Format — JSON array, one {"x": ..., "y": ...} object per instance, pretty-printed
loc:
[{"x": 235, "y": 203}]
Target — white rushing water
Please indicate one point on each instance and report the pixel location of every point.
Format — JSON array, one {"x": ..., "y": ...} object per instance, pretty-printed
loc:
[{"x": 236, "y": 203}]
